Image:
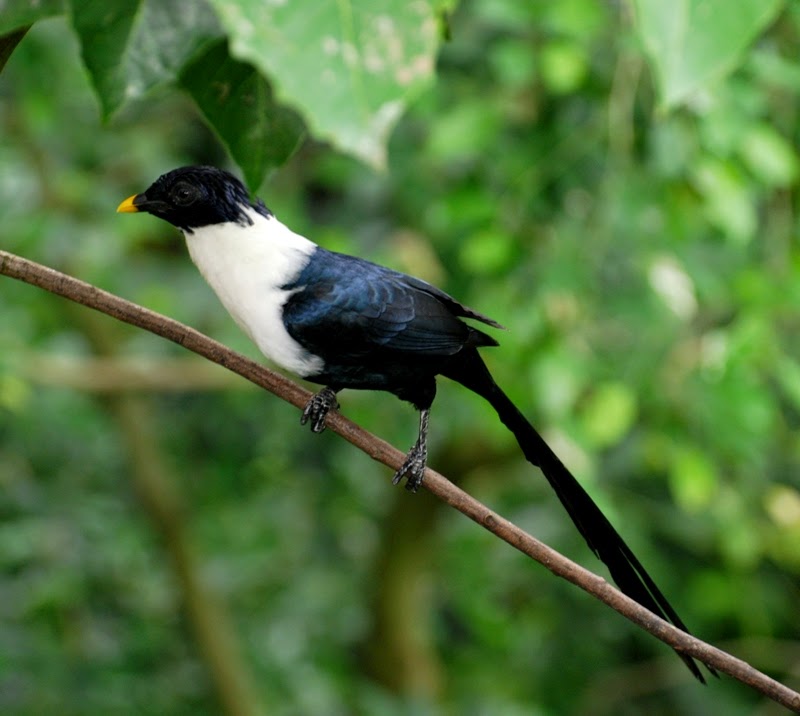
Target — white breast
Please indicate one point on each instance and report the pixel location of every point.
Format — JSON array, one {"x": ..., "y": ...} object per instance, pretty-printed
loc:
[{"x": 246, "y": 266}]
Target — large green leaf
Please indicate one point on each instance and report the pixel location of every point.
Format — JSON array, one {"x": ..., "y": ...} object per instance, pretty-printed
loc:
[
  {"x": 18, "y": 13},
  {"x": 693, "y": 42},
  {"x": 349, "y": 66},
  {"x": 130, "y": 46},
  {"x": 238, "y": 103}
]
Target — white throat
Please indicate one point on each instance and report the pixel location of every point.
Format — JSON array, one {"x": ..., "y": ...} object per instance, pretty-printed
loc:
[{"x": 246, "y": 266}]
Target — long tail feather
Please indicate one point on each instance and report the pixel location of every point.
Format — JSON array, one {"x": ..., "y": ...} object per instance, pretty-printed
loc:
[{"x": 626, "y": 570}]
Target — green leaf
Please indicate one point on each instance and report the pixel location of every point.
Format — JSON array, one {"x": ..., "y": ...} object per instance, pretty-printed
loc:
[
  {"x": 563, "y": 66},
  {"x": 694, "y": 42},
  {"x": 130, "y": 46},
  {"x": 770, "y": 157},
  {"x": 14, "y": 392},
  {"x": 609, "y": 413},
  {"x": 487, "y": 252},
  {"x": 350, "y": 67},
  {"x": 18, "y": 13},
  {"x": 8, "y": 43},
  {"x": 783, "y": 505},
  {"x": 728, "y": 203},
  {"x": 693, "y": 478},
  {"x": 238, "y": 104},
  {"x": 787, "y": 374}
]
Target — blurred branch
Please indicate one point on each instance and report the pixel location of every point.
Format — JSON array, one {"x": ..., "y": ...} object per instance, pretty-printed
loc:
[
  {"x": 93, "y": 297},
  {"x": 120, "y": 374},
  {"x": 399, "y": 650},
  {"x": 155, "y": 483},
  {"x": 622, "y": 104},
  {"x": 611, "y": 689}
]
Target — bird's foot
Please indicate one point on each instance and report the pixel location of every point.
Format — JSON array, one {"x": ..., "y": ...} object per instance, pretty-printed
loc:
[
  {"x": 317, "y": 409},
  {"x": 413, "y": 469}
]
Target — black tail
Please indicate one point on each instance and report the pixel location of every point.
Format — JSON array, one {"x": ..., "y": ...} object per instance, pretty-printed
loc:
[{"x": 599, "y": 533}]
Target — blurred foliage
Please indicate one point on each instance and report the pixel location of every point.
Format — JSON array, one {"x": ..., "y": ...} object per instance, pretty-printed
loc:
[
  {"x": 646, "y": 266},
  {"x": 350, "y": 68}
]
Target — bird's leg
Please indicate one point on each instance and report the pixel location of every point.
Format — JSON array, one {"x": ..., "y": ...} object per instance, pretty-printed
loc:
[
  {"x": 413, "y": 469},
  {"x": 318, "y": 407}
]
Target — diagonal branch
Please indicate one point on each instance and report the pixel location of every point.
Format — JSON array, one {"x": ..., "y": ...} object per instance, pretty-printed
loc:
[{"x": 93, "y": 297}]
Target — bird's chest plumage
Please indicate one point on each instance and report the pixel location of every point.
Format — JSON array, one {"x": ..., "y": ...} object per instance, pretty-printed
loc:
[{"x": 247, "y": 267}]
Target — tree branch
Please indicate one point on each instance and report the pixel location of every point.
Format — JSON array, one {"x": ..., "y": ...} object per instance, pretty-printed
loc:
[
  {"x": 95, "y": 298},
  {"x": 122, "y": 374}
]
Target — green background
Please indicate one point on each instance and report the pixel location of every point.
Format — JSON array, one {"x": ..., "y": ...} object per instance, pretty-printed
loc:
[{"x": 615, "y": 183}]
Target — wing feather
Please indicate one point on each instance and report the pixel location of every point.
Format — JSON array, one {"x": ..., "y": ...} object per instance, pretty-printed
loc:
[{"x": 344, "y": 306}]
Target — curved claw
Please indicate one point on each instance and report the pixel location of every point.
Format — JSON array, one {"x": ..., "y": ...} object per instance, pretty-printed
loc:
[
  {"x": 317, "y": 409},
  {"x": 413, "y": 469}
]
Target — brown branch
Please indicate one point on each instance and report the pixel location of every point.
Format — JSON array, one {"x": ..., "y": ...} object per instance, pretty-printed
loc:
[
  {"x": 88, "y": 295},
  {"x": 123, "y": 374}
]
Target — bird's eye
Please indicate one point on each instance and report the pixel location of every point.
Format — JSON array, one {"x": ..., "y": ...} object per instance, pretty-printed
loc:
[{"x": 185, "y": 194}]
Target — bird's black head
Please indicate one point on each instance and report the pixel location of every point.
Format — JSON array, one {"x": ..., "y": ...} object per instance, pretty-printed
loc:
[{"x": 193, "y": 197}]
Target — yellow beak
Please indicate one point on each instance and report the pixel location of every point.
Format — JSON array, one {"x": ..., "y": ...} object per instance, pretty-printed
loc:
[{"x": 127, "y": 206}]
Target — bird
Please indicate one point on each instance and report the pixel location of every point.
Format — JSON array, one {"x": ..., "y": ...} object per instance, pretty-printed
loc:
[{"x": 343, "y": 322}]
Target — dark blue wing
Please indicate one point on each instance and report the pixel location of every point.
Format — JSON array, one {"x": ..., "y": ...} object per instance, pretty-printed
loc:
[{"x": 346, "y": 307}]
